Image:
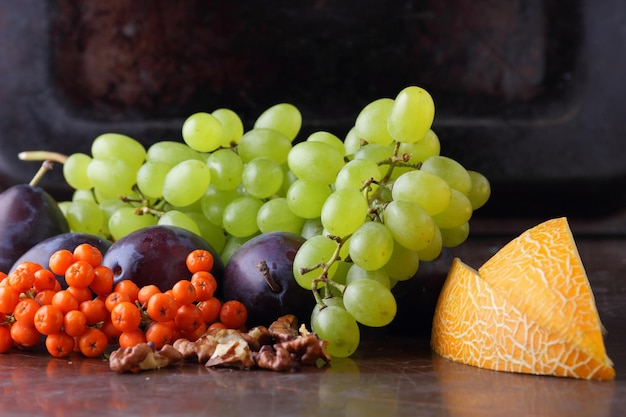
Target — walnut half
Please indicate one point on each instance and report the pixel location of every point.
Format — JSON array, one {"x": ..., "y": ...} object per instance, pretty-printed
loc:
[{"x": 143, "y": 357}]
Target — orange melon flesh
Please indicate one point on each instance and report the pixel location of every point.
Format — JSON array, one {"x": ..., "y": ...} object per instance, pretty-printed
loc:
[{"x": 528, "y": 309}]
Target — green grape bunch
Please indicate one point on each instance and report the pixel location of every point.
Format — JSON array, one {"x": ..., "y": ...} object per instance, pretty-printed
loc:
[{"x": 372, "y": 205}]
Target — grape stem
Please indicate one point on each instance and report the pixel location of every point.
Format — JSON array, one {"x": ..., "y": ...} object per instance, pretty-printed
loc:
[
  {"x": 42, "y": 156},
  {"x": 45, "y": 167},
  {"x": 323, "y": 277},
  {"x": 397, "y": 160}
]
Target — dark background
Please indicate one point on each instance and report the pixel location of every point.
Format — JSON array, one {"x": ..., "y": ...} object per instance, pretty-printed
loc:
[{"x": 530, "y": 93}]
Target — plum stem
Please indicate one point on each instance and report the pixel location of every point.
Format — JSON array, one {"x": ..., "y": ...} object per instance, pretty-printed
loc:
[{"x": 265, "y": 271}]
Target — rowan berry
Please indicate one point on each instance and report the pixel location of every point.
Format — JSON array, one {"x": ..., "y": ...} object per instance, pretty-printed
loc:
[
  {"x": 199, "y": 260},
  {"x": 205, "y": 285},
  {"x": 88, "y": 253},
  {"x": 60, "y": 344},
  {"x": 162, "y": 307},
  {"x": 74, "y": 323},
  {"x": 65, "y": 301},
  {"x": 60, "y": 260},
  {"x": 102, "y": 283},
  {"x": 93, "y": 342},
  {"x": 146, "y": 292},
  {"x": 125, "y": 316},
  {"x": 24, "y": 336},
  {"x": 159, "y": 333},
  {"x": 184, "y": 292},
  {"x": 6, "y": 341},
  {"x": 210, "y": 309},
  {"x": 79, "y": 274},
  {"x": 44, "y": 280},
  {"x": 95, "y": 311},
  {"x": 130, "y": 338},
  {"x": 233, "y": 314},
  {"x": 48, "y": 319},
  {"x": 9, "y": 298},
  {"x": 25, "y": 310},
  {"x": 188, "y": 317}
]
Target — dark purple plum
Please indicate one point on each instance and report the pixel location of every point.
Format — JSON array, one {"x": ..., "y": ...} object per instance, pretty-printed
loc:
[
  {"x": 271, "y": 293},
  {"x": 41, "y": 252},
  {"x": 28, "y": 215},
  {"x": 417, "y": 296},
  {"x": 156, "y": 255}
]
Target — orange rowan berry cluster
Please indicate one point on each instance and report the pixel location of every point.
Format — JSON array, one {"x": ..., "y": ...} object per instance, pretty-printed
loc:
[{"x": 92, "y": 313}]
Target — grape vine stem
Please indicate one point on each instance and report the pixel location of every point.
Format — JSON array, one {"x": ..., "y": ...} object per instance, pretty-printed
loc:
[
  {"x": 42, "y": 156},
  {"x": 323, "y": 277}
]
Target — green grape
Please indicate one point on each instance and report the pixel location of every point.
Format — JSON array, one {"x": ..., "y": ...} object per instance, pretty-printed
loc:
[
  {"x": 111, "y": 177},
  {"x": 370, "y": 303},
  {"x": 171, "y": 152},
  {"x": 275, "y": 216},
  {"x": 186, "y": 182},
  {"x": 213, "y": 234},
  {"x": 410, "y": 225},
  {"x": 371, "y": 122},
  {"x": 63, "y": 206},
  {"x": 85, "y": 216},
  {"x": 214, "y": 201},
  {"x": 328, "y": 138},
  {"x": 239, "y": 217},
  {"x": 108, "y": 207},
  {"x": 179, "y": 219},
  {"x": 335, "y": 325},
  {"x": 262, "y": 177},
  {"x": 450, "y": 170},
  {"x": 314, "y": 252},
  {"x": 328, "y": 301},
  {"x": 288, "y": 179},
  {"x": 411, "y": 115},
  {"x": 402, "y": 264},
  {"x": 356, "y": 172},
  {"x": 356, "y": 272},
  {"x": 315, "y": 161},
  {"x": 377, "y": 154},
  {"x": 83, "y": 195},
  {"x": 306, "y": 198},
  {"x": 260, "y": 142},
  {"x": 428, "y": 190},
  {"x": 195, "y": 206},
  {"x": 203, "y": 132},
  {"x": 311, "y": 227},
  {"x": 344, "y": 211},
  {"x": 117, "y": 146},
  {"x": 151, "y": 177},
  {"x": 352, "y": 142},
  {"x": 126, "y": 220},
  {"x": 423, "y": 149},
  {"x": 339, "y": 277},
  {"x": 232, "y": 126},
  {"x": 433, "y": 250},
  {"x": 454, "y": 236},
  {"x": 232, "y": 244},
  {"x": 75, "y": 171},
  {"x": 226, "y": 168},
  {"x": 459, "y": 211},
  {"x": 283, "y": 117},
  {"x": 480, "y": 191},
  {"x": 371, "y": 246}
]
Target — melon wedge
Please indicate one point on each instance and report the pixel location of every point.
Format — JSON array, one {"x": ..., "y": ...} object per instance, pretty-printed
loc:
[{"x": 528, "y": 309}]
